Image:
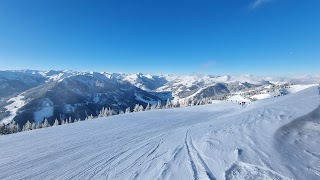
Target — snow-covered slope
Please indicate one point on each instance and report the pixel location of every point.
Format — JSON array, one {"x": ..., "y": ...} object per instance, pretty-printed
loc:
[{"x": 218, "y": 141}]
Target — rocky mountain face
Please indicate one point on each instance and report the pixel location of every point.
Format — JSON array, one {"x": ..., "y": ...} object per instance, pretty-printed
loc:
[{"x": 35, "y": 95}]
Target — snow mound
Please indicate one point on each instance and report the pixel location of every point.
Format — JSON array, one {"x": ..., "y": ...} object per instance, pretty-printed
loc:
[{"x": 241, "y": 170}]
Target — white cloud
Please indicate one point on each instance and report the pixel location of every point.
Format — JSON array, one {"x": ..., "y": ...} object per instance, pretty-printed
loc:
[{"x": 258, "y": 3}]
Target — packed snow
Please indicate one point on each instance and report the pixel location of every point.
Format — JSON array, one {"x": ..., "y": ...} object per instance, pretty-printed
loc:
[{"x": 276, "y": 138}]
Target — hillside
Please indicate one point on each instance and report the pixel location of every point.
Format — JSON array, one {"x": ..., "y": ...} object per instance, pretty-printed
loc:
[
  {"x": 32, "y": 95},
  {"x": 218, "y": 141}
]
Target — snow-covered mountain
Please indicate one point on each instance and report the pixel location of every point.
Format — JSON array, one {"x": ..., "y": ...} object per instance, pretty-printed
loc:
[
  {"x": 77, "y": 95},
  {"x": 275, "y": 138},
  {"x": 33, "y": 95}
]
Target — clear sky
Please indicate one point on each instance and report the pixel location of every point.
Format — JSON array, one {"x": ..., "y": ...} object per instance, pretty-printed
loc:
[{"x": 162, "y": 36}]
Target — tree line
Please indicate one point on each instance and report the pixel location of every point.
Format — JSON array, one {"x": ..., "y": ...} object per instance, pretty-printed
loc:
[{"x": 14, "y": 127}]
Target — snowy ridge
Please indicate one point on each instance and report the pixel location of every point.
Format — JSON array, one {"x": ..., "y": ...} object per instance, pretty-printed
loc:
[{"x": 218, "y": 141}]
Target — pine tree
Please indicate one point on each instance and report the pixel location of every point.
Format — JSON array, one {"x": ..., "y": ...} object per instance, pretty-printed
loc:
[
  {"x": 177, "y": 104},
  {"x": 136, "y": 108},
  {"x": 70, "y": 120},
  {"x": 38, "y": 125},
  {"x": 45, "y": 124},
  {"x": 90, "y": 117},
  {"x": 13, "y": 127},
  {"x": 3, "y": 129},
  {"x": 153, "y": 107},
  {"x": 141, "y": 108},
  {"x": 128, "y": 110},
  {"x": 18, "y": 128},
  {"x": 56, "y": 122},
  {"x": 33, "y": 126},
  {"x": 147, "y": 107},
  {"x": 159, "y": 106},
  {"x": 27, "y": 126},
  {"x": 168, "y": 104}
]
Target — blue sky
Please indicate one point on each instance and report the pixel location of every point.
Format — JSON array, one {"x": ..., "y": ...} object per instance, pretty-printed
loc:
[{"x": 162, "y": 36}]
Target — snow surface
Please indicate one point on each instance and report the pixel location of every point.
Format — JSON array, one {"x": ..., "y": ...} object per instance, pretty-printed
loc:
[
  {"x": 297, "y": 88},
  {"x": 262, "y": 96},
  {"x": 276, "y": 138},
  {"x": 15, "y": 104},
  {"x": 238, "y": 98}
]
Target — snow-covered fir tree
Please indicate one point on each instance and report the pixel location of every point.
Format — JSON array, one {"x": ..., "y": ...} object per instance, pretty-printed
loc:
[
  {"x": 45, "y": 123},
  {"x": 27, "y": 126},
  {"x": 168, "y": 104},
  {"x": 3, "y": 129},
  {"x": 159, "y": 106},
  {"x": 56, "y": 122},
  {"x": 141, "y": 108},
  {"x": 33, "y": 126},
  {"x": 136, "y": 108},
  {"x": 147, "y": 107},
  {"x": 90, "y": 117},
  {"x": 70, "y": 120},
  {"x": 153, "y": 107},
  {"x": 38, "y": 125},
  {"x": 13, "y": 127}
]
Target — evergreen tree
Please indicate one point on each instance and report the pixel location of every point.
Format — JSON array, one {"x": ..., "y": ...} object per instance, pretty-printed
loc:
[
  {"x": 177, "y": 104},
  {"x": 3, "y": 129},
  {"x": 168, "y": 104},
  {"x": 90, "y": 117},
  {"x": 159, "y": 106},
  {"x": 70, "y": 120},
  {"x": 147, "y": 107},
  {"x": 27, "y": 126},
  {"x": 136, "y": 108},
  {"x": 56, "y": 122},
  {"x": 153, "y": 107},
  {"x": 141, "y": 108},
  {"x": 38, "y": 125},
  {"x": 128, "y": 110},
  {"x": 33, "y": 126},
  {"x": 45, "y": 124},
  {"x": 13, "y": 127}
]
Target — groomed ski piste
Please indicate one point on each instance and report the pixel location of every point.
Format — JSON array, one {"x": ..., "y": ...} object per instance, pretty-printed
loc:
[{"x": 275, "y": 138}]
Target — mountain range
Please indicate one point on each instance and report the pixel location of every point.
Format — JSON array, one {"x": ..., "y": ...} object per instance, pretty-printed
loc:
[{"x": 34, "y": 95}]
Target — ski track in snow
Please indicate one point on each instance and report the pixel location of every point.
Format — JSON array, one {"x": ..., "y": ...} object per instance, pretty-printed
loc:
[{"x": 218, "y": 141}]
